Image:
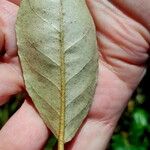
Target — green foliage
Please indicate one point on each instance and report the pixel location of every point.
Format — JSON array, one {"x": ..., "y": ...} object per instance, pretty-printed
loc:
[
  {"x": 133, "y": 129},
  {"x": 51, "y": 143}
]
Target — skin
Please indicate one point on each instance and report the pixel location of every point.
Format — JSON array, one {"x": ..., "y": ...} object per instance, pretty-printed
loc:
[{"x": 123, "y": 40}]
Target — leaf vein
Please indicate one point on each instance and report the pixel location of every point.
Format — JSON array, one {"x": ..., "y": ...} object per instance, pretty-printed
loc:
[
  {"x": 89, "y": 61},
  {"x": 76, "y": 116},
  {"x": 31, "y": 86},
  {"x": 32, "y": 9},
  {"x": 78, "y": 41},
  {"x": 42, "y": 53},
  {"x": 41, "y": 74},
  {"x": 80, "y": 94}
]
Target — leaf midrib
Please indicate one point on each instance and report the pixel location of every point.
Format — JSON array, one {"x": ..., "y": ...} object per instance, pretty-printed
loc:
[{"x": 62, "y": 81}]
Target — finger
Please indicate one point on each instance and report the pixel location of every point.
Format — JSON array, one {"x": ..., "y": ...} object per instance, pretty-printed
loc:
[
  {"x": 138, "y": 9},
  {"x": 123, "y": 42},
  {"x": 10, "y": 82},
  {"x": 24, "y": 131},
  {"x": 8, "y": 17}
]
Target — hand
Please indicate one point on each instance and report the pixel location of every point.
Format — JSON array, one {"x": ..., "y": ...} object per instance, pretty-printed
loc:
[{"x": 123, "y": 40}]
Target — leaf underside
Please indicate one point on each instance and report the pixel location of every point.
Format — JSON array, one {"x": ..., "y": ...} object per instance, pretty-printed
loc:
[{"x": 58, "y": 54}]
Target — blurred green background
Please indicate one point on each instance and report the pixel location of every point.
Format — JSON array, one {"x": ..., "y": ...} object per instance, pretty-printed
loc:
[{"x": 133, "y": 130}]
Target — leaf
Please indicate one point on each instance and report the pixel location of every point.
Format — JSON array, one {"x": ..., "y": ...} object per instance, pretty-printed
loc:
[
  {"x": 58, "y": 54},
  {"x": 140, "y": 122}
]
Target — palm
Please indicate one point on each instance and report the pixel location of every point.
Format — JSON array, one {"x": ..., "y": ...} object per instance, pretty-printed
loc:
[{"x": 123, "y": 45}]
